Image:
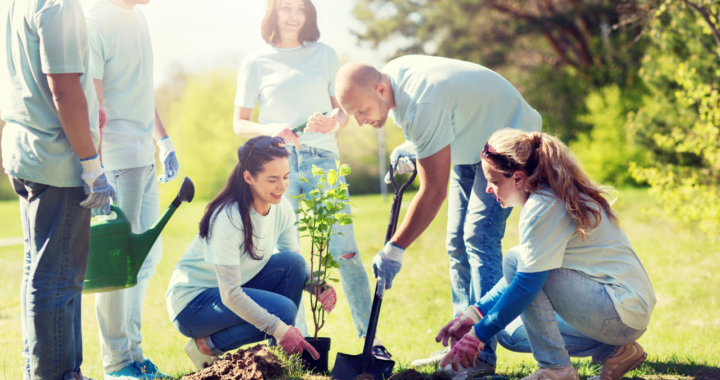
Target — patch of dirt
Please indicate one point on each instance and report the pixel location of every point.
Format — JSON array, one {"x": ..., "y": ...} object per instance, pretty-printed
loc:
[
  {"x": 364, "y": 376},
  {"x": 707, "y": 374},
  {"x": 408, "y": 374},
  {"x": 441, "y": 375},
  {"x": 255, "y": 363}
]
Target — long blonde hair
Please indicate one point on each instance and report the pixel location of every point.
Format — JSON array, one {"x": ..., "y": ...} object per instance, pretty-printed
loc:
[{"x": 547, "y": 161}]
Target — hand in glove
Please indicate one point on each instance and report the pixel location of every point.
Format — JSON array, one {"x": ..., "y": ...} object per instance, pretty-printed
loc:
[
  {"x": 386, "y": 265},
  {"x": 464, "y": 352},
  {"x": 324, "y": 124},
  {"x": 401, "y": 159},
  {"x": 283, "y": 130},
  {"x": 292, "y": 342},
  {"x": 169, "y": 160},
  {"x": 96, "y": 186},
  {"x": 458, "y": 327}
]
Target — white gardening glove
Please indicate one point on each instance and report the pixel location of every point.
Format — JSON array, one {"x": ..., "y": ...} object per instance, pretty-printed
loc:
[
  {"x": 401, "y": 159},
  {"x": 169, "y": 160},
  {"x": 324, "y": 124},
  {"x": 386, "y": 265},
  {"x": 284, "y": 131},
  {"x": 96, "y": 186}
]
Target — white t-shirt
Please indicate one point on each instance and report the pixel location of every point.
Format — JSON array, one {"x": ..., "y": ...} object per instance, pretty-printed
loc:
[
  {"x": 290, "y": 85},
  {"x": 548, "y": 240},
  {"x": 195, "y": 272},
  {"x": 441, "y": 101},
  {"x": 121, "y": 56}
]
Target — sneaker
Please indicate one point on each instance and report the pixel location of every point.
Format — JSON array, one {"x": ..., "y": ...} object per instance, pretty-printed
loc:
[
  {"x": 548, "y": 374},
  {"x": 435, "y": 358},
  {"x": 380, "y": 352},
  {"x": 480, "y": 367},
  {"x": 151, "y": 371},
  {"x": 129, "y": 372},
  {"x": 616, "y": 367},
  {"x": 197, "y": 357}
]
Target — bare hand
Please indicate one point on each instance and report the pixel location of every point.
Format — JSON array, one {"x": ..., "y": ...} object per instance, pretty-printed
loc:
[
  {"x": 320, "y": 123},
  {"x": 287, "y": 135}
]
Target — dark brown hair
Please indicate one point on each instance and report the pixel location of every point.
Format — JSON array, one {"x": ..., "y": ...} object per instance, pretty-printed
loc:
[
  {"x": 270, "y": 32},
  {"x": 237, "y": 192}
]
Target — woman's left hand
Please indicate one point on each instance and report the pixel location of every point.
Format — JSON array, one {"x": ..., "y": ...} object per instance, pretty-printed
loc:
[
  {"x": 464, "y": 352},
  {"x": 320, "y": 123}
]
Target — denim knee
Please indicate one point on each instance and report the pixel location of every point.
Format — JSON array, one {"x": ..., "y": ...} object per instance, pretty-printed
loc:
[
  {"x": 287, "y": 311},
  {"x": 510, "y": 263}
]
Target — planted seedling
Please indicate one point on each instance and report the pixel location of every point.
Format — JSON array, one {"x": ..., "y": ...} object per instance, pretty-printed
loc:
[{"x": 320, "y": 211}]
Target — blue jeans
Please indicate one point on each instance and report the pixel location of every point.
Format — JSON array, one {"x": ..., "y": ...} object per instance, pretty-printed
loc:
[
  {"x": 572, "y": 316},
  {"x": 57, "y": 242},
  {"x": 476, "y": 226},
  {"x": 119, "y": 313},
  {"x": 277, "y": 288},
  {"x": 353, "y": 276}
]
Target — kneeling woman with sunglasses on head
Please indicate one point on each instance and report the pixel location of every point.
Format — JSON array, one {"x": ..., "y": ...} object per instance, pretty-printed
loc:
[
  {"x": 575, "y": 280},
  {"x": 230, "y": 289}
]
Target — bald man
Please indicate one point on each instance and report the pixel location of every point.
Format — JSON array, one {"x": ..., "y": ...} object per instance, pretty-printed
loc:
[{"x": 447, "y": 110}]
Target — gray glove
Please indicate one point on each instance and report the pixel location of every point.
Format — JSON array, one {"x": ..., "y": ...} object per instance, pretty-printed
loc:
[
  {"x": 96, "y": 186},
  {"x": 386, "y": 265},
  {"x": 401, "y": 159}
]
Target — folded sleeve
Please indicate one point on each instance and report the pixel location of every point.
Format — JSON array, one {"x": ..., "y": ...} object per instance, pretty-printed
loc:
[
  {"x": 248, "y": 85},
  {"x": 430, "y": 129},
  {"x": 62, "y": 33},
  {"x": 545, "y": 229},
  {"x": 233, "y": 296}
]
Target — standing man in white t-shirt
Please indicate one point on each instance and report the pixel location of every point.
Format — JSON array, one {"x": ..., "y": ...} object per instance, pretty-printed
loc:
[
  {"x": 447, "y": 110},
  {"x": 49, "y": 153},
  {"x": 122, "y": 68}
]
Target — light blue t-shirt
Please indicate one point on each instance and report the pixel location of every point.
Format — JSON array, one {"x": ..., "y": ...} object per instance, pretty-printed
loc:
[
  {"x": 442, "y": 101},
  {"x": 548, "y": 240},
  {"x": 290, "y": 85},
  {"x": 195, "y": 272},
  {"x": 40, "y": 37},
  {"x": 121, "y": 56}
]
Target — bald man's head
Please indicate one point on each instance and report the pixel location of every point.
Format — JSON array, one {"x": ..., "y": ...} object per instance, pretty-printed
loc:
[{"x": 364, "y": 92}]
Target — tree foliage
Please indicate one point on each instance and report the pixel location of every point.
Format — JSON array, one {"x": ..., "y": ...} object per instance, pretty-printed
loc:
[
  {"x": 556, "y": 51},
  {"x": 680, "y": 119}
]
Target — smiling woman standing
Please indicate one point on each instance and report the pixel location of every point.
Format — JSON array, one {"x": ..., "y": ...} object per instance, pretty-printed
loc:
[{"x": 292, "y": 80}]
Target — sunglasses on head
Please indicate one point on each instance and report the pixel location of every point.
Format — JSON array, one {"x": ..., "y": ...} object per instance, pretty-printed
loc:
[
  {"x": 266, "y": 145},
  {"x": 500, "y": 161}
]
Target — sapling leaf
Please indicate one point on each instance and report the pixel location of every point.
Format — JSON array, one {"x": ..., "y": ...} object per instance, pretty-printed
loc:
[
  {"x": 332, "y": 178},
  {"x": 333, "y": 279},
  {"x": 305, "y": 180},
  {"x": 344, "y": 170}
]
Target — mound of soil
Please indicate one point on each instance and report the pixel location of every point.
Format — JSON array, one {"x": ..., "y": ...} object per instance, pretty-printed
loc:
[
  {"x": 408, "y": 374},
  {"x": 255, "y": 363},
  {"x": 364, "y": 376}
]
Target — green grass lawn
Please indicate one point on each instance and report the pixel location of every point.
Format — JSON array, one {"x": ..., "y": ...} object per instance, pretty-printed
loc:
[{"x": 683, "y": 264}]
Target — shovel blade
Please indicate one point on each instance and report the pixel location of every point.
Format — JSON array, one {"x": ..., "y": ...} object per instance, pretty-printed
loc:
[{"x": 348, "y": 367}]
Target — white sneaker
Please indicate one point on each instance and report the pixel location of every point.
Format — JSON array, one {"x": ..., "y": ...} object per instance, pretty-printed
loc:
[
  {"x": 197, "y": 357},
  {"x": 435, "y": 357}
]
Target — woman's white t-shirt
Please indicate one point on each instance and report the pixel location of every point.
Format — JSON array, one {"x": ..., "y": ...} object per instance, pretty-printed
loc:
[
  {"x": 290, "y": 85},
  {"x": 549, "y": 240},
  {"x": 195, "y": 272}
]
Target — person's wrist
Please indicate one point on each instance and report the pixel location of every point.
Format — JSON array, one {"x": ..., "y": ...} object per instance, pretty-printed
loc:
[
  {"x": 392, "y": 252},
  {"x": 166, "y": 145},
  {"x": 280, "y": 330},
  {"x": 473, "y": 313},
  {"x": 91, "y": 164}
]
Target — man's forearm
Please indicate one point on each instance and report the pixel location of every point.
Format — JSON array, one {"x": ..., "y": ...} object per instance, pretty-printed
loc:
[
  {"x": 72, "y": 108},
  {"x": 418, "y": 218},
  {"x": 248, "y": 129},
  {"x": 159, "y": 131}
]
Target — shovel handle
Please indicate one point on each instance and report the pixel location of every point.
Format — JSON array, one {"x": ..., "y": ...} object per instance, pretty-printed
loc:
[{"x": 377, "y": 301}]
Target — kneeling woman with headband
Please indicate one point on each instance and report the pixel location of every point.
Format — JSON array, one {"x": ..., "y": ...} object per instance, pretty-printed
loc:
[
  {"x": 573, "y": 276},
  {"x": 230, "y": 288}
]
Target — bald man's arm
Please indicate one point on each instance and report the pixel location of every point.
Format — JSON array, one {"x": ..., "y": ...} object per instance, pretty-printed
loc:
[{"x": 434, "y": 174}]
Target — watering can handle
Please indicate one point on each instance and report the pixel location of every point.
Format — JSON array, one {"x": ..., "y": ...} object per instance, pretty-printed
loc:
[{"x": 120, "y": 214}]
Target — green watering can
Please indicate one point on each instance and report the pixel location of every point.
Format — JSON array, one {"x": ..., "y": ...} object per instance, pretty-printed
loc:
[{"x": 116, "y": 254}]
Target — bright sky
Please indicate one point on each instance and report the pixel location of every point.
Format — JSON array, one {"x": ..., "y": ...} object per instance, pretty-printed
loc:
[{"x": 204, "y": 34}]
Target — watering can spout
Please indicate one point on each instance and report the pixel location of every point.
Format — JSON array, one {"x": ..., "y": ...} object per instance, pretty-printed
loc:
[{"x": 142, "y": 243}]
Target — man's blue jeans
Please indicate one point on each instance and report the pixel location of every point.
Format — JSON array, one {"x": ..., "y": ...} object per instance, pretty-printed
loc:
[
  {"x": 277, "y": 288},
  {"x": 119, "y": 313},
  {"x": 572, "y": 316},
  {"x": 353, "y": 277},
  {"x": 57, "y": 241},
  {"x": 476, "y": 226}
]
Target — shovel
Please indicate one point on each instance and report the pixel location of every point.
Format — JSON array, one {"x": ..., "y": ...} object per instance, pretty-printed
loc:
[{"x": 347, "y": 367}]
